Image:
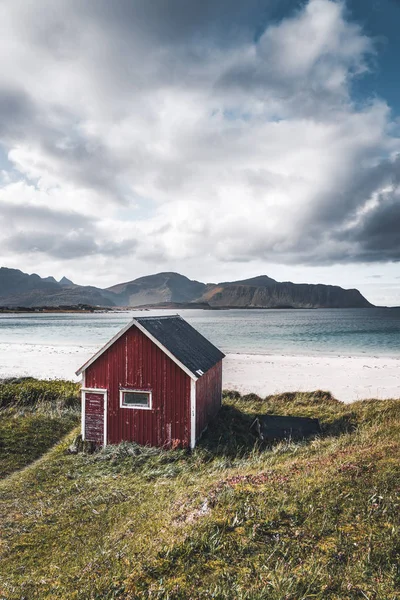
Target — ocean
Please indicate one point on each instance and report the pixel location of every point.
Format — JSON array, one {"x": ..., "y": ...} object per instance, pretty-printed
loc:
[
  {"x": 354, "y": 353},
  {"x": 354, "y": 332}
]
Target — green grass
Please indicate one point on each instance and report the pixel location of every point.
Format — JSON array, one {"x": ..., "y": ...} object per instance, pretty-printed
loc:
[
  {"x": 315, "y": 519},
  {"x": 29, "y": 392},
  {"x": 34, "y": 415}
]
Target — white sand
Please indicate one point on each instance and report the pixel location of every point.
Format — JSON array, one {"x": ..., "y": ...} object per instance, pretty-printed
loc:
[
  {"x": 49, "y": 362},
  {"x": 348, "y": 378}
]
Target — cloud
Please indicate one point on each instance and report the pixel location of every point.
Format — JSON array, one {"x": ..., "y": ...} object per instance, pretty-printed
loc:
[
  {"x": 73, "y": 244},
  {"x": 376, "y": 237},
  {"x": 303, "y": 62},
  {"x": 61, "y": 234},
  {"x": 154, "y": 131}
]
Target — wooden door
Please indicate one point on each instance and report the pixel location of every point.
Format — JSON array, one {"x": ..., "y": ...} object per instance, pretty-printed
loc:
[{"x": 94, "y": 426}]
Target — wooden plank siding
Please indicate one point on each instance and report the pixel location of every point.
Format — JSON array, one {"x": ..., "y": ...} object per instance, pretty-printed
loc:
[
  {"x": 208, "y": 397},
  {"x": 135, "y": 362}
]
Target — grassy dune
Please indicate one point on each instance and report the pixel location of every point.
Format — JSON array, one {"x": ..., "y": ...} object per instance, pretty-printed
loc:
[{"x": 308, "y": 520}]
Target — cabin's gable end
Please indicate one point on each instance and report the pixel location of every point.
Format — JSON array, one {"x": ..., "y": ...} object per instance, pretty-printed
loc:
[{"x": 133, "y": 363}]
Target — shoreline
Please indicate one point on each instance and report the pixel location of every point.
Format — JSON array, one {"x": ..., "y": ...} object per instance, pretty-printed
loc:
[
  {"x": 347, "y": 377},
  {"x": 93, "y": 347},
  {"x": 176, "y": 306}
]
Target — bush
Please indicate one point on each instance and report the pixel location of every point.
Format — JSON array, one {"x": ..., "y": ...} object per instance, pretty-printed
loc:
[
  {"x": 251, "y": 398},
  {"x": 319, "y": 397},
  {"x": 233, "y": 394}
]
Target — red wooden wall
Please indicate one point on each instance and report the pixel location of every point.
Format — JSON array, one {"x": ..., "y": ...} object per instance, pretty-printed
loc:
[
  {"x": 136, "y": 362},
  {"x": 208, "y": 397}
]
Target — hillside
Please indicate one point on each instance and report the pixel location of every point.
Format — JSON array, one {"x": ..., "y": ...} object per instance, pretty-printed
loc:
[
  {"x": 296, "y": 521},
  {"x": 165, "y": 289},
  {"x": 172, "y": 289},
  {"x": 20, "y": 289},
  {"x": 154, "y": 289},
  {"x": 267, "y": 293},
  {"x": 34, "y": 415}
]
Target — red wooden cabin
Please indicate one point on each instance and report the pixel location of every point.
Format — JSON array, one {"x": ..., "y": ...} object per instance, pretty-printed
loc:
[{"x": 157, "y": 382}]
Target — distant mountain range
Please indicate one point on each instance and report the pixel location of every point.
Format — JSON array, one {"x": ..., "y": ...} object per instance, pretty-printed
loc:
[{"x": 18, "y": 289}]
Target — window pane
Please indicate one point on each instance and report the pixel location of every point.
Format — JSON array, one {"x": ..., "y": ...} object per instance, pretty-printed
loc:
[{"x": 136, "y": 398}]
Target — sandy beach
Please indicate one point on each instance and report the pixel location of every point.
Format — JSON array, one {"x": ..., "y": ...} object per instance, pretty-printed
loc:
[{"x": 347, "y": 378}]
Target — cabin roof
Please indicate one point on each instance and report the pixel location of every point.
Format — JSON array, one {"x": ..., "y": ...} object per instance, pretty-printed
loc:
[{"x": 179, "y": 340}]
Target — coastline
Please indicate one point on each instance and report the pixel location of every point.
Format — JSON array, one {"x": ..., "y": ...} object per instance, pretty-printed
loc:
[
  {"x": 348, "y": 378},
  {"x": 171, "y": 306}
]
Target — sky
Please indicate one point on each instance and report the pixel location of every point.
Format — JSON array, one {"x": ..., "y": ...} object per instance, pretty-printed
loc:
[{"x": 218, "y": 138}]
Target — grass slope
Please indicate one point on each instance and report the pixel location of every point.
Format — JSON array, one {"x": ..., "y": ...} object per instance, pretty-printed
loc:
[
  {"x": 317, "y": 519},
  {"x": 34, "y": 415}
]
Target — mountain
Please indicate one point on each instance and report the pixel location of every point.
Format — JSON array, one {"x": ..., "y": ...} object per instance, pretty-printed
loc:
[
  {"x": 256, "y": 292},
  {"x": 66, "y": 282},
  {"x": 161, "y": 287},
  {"x": 20, "y": 289},
  {"x": 264, "y": 292},
  {"x": 164, "y": 289},
  {"x": 260, "y": 280}
]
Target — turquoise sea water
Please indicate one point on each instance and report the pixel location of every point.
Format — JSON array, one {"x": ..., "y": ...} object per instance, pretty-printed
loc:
[{"x": 370, "y": 332}]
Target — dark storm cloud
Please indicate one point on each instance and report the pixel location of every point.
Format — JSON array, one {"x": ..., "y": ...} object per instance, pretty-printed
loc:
[
  {"x": 377, "y": 235},
  {"x": 343, "y": 203},
  {"x": 184, "y": 21}
]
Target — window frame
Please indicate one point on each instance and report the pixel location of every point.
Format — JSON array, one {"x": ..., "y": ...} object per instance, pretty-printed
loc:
[{"x": 122, "y": 391}]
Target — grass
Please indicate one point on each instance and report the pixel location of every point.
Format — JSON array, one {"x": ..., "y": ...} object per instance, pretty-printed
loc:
[
  {"x": 34, "y": 415},
  {"x": 316, "y": 519},
  {"x": 29, "y": 392}
]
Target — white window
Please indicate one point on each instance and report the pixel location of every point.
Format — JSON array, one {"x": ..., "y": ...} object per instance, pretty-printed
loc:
[{"x": 135, "y": 399}]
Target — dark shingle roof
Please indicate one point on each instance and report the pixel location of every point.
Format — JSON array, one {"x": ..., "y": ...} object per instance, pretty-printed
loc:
[{"x": 189, "y": 346}]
